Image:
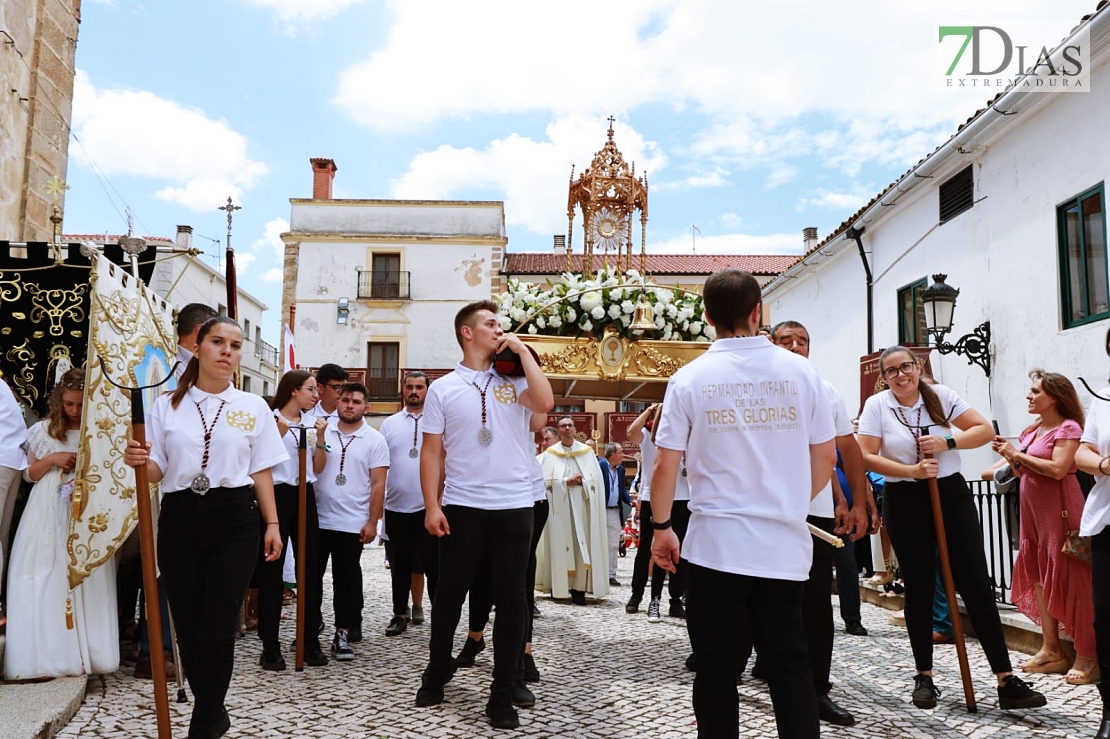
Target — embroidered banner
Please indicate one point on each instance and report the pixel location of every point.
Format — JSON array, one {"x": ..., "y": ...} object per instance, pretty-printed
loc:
[{"x": 132, "y": 330}]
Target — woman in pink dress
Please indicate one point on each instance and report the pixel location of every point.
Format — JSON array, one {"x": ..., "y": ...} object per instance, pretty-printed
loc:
[{"x": 1051, "y": 588}]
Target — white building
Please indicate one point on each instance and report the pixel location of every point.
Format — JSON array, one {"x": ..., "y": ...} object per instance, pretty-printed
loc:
[
  {"x": 1011, "y": 209},
  {"x": 374, "y": 285},
  {"x": 183, "y": 280}
]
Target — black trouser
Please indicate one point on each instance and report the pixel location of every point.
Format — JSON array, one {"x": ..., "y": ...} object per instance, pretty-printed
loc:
[
  {"x": 271, "y": 584},
  {"x": 908, "y": 517},
  {"x": 774, "y": 608},
  {"x": 206, "y": 550},
  {"x": 502, "y": 539},
  {"x": 345, "y": 551},
  {"x": 817, "y": 602},
  {"x": 680, "y": 519},
  {"x": 847, "y": 580},
  {"x": 1100, "y": 581},
  {"x": 643, "y": 552},
  {"x": 408, "y": 538}
]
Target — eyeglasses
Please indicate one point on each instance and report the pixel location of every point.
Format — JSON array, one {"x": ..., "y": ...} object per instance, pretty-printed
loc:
[
  {"x": 334, "y": 386},
  {"x": 309, "y": 388},
  {"x": 906, "y": 368}
]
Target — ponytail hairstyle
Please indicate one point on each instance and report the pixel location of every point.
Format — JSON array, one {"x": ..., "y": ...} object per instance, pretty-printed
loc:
[
  {"x": 289, "y": 382},
  {"x": 57, "y": 423},
  {"x": 929, "y": 396},
  {"x": 192, "y": 370}
]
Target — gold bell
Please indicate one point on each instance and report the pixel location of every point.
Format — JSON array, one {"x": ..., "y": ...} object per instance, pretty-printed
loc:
[{"x": 643, "y": 319}]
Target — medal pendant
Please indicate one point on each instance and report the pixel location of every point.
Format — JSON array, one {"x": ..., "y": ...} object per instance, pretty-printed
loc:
[
  {"x": 201, "y": 484},
  {"x": 684, "y": 472},
  {"x": 413, "y": 453},
  {"x": 340, "y": 479},
  {"x": 485, "y": 436}
]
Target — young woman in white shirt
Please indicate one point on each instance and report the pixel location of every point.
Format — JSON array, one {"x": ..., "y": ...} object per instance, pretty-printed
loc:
[
  {"x": 212, "y": 447},
  {"x": 898, "y": 428}
]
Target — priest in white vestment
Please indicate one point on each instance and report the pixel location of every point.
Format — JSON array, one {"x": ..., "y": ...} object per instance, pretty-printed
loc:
[{"x": 572, "y": 557}]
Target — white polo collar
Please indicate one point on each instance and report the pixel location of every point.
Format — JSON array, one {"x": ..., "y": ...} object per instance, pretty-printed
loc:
[{"x": 197, "y": 395}]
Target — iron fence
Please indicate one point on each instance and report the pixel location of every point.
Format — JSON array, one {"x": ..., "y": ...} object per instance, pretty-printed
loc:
[
  {"x": 380, "y": 285},
  {"x": 998, "y": 516}
]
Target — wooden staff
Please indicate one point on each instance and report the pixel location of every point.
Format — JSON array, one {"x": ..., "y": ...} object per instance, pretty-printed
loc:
[
  {"x": 302, "y": 514},
  {"x": 950, "y": 590}
]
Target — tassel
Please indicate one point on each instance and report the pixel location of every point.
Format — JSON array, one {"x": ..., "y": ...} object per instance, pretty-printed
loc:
[{"x": 69, "y": 613}]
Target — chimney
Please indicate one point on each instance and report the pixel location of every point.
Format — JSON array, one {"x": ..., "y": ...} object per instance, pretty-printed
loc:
[
  {"x": 185, "y": 237},
  {"x": 323, "y": 172},
  {"x": 809, "y": 238},
  {"x": 560, "y": 244}
]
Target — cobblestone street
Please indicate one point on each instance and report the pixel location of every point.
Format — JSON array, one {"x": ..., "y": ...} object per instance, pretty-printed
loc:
[{"x": 604, "y": 674}]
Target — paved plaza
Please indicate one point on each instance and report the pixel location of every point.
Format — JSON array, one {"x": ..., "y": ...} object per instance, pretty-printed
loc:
[{"x": 604, "y": 673}]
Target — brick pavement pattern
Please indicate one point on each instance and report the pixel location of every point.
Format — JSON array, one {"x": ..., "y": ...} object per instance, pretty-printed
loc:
[{"x": 604, "y": 674}]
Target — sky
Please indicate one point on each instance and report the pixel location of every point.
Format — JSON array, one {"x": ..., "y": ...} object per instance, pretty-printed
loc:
[{"x": 751, "y": 120}]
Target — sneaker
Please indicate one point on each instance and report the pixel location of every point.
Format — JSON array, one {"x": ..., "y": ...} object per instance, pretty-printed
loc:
[
  {"x": 677, "y": 610},
  {"x": 417, "y": 615},
  {"x": 469, "y": 651},
  {"x": 501, "y": 713},
  {"x": 855, "y": 629},
  {"x": 521, "y": 695},
  {"x": 1016, "y": 693},
  {"x": 536, "y": 612},
  {"x": 925, "y": 694},
  {"x": 633, "y": 605},
  {"x": 354, "y": 634},
  {"x": 653, "y": 612},
  {"x": 397, "y": 626},
  {"x": 313, "y": 655},
  {"x": 530, "y": 672},
  {"x": 340, "y": 647},
  {"x": 271, "y": 659}
]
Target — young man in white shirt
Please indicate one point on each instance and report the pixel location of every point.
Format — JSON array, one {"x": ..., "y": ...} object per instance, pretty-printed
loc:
[
  {"x": 330, "y": 379},
  {"x": 351, "y": 462},
  {"x": 476, "y": 444},
  {"x": 756, "y": 427},
  {"x": 404, "y": 504},
  {"x": 639, "y": 432}
]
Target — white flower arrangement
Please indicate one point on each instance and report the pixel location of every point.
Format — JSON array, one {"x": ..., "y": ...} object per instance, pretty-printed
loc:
[{"x": 610, "y": 301}]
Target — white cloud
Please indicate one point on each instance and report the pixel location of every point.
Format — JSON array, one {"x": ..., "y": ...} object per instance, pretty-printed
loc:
[
  {"x": 274, "y": 274},
  {"x": 243, "y": 261},
  {"x": 271, "y": 238},
  {"x": 291, "y": 12},
  {"x": 730, "y": 220},
  {"x": 718, "y": 177},
  {"x": 838, "y": 200},
  {"x": 780, "y": 175},
  {"x": 532, "y": 191},
  {"x": 733, "y": 243},
  {"x": 201, "y": 160}
]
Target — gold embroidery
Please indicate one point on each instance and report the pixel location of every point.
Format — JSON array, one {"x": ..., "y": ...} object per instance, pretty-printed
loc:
[
  {"x": 54, "y": 305},
  {"x": 505, "y": 393},
  {"x": 241, "y": 420}
]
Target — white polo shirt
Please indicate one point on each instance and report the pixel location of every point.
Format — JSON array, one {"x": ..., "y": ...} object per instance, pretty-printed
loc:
[
  {"x": 347, "y": 507},
  {"x": 495, "y": 476},
  {"x": 647, "y": 459},
  {"x": 245, "y": 438},
  {"x": 288, "y": 472},
  {"x": 1096, "y": 510},
  {"x": 824, "y": 505},
  {"x": 884, "y": 417},
  {"x": 13, "y": 431},
  {"x": 319, "y": 412},
  {"x": 748, "y": 413},
  {"x": 402, "y": 434}
]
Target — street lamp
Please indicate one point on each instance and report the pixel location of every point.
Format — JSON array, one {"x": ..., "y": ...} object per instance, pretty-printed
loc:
[{"x": 939, "y": 303}]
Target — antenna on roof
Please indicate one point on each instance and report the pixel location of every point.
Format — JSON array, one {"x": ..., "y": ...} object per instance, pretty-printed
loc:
[{"x": 694, "y": 231}]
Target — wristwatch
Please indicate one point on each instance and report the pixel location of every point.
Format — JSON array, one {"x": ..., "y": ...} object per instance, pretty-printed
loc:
[
  {"x": 951, "y": 442},
  {"x": 661, "y": 525}
]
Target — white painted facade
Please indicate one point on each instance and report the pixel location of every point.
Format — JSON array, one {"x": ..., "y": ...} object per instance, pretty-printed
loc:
[{"x": 1002, "y": 253}]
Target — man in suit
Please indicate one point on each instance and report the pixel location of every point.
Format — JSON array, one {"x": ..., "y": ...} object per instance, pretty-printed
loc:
[{"x": 616, "y": 494}]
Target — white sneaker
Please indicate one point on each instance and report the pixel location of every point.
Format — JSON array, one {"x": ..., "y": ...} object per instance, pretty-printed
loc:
[{"x": 653, "y": 612}]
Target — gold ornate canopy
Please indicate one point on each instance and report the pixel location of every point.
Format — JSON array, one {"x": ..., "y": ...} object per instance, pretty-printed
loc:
[{"x": 608, "y": 193}]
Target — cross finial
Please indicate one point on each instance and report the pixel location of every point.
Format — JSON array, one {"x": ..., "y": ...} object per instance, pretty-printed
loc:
[
  {"x": 611, "y": 121},
  {"x": 230, "y": 208},
  {"x": 56, "y": 187}
]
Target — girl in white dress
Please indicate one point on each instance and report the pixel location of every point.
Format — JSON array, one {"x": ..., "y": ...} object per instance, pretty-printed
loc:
[{"x": 40, "y": 643}]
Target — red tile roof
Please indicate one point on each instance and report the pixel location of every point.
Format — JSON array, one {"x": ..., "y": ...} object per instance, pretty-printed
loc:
[{"x": 543, "y": 263}]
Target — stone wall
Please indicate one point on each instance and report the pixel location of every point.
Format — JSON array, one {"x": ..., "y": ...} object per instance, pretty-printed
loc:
[{"x": 38, "y": 42}]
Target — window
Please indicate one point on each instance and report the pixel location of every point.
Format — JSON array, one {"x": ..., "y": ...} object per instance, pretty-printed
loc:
[
  {"x": 247, "y": 329},
  {"x": 386, "y": 269},
  {"x": 574, "y": 408},
  {"x": 257, "y": 334},
  {"x": 246, "y": 383},
  {"x": 222, "y": 310},
  {"x": 631, "y": 406},
  {"x": 382, "y": 370},
  {"x": 957, "y": 194},
  {"x": 911, "y": 315},
  {"x": 1081, "y": 228},
  {"x": 265, "y": 388}
]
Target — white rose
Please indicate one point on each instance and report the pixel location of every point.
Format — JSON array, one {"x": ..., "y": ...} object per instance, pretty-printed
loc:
[
  {"x": 710, "y": 331},
  {"x": 685, "y": 325},
  {"x": 571, "y": 315},
  {"x": 614, "y": 311},
  {"x": 625, "y": 320},
  {"x": 667, "y": 333},
  {"x": 628, "y": 306},
  {"x": 663, "y": 296},
  {"x": 702, "y": 339},
  {"x": 540, "y": 322},
  {"x": 586, "y": 325},
  {"x": 532, "y": 328},
  {"x": 616, "y": 294},
  {"x": 660, "y": 323},
  {"x": 598, "y": 312},
  {"x": 555, "y": 322},
  {"x": 590, "y": 301},
  {"x": 506, "y": 323},
  {"x": 671, "y": 310},
  {"x": 695, "y": 327}
]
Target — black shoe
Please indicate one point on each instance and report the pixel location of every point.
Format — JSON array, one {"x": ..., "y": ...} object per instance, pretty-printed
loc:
[
  {"x": 1016, "y": 693},
  {"x": 633, "y": 605},
  {"x": 530, "y": 672},
  {"x": 536, "y": 612},
  {"x": 832, "y": 713},
  {"x": 677, "y": 609},
  {"x": 614, "y": 582},
  {"x": 622, "y": 549},
  {"x": 397, "y": 626},
  {"x": 354, "y": 634},
  {"x": 1104, "y": 730},
  {"x": 271, "y": 659},
  {"x": 223, "y": 726},
  {"x": 521, "y": 695},
  {"x": 501, "y": 713},
  {"x": 469, "y": 651},
  {"x": 691, "y": 663},
  {"x": 429, "y": 696},
  {"x": 313, "y": 655},
  {"x": 855, "y": 629},
  {"x": 578, "y": 597},
  {"x": 925, "y": 694}
]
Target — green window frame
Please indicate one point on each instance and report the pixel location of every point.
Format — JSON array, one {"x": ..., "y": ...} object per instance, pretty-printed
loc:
[
  {"x": 1081, "y": 240},
  {"x": 911, "y": 314}
]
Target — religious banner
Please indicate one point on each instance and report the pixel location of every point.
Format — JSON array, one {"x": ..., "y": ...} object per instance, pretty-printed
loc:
[
  {"x": 616, "y": 425},
  {"x": 585, "y": 424},
  {"x": 132, "y": 331}
]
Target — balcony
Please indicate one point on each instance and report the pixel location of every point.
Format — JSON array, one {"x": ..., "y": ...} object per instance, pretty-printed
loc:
[
  {"x": 376, "y": 285},
  {"x": 382, "y": 382},
  {"x": 266, "y": 352}
]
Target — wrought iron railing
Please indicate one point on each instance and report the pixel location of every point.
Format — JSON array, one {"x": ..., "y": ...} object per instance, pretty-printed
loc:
[
  {"x": 998, "y": 516},
  {"x": 266, "y": 352},
  {"x": 382, "y": 285},
  {"x": 383, "y": 384}
]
